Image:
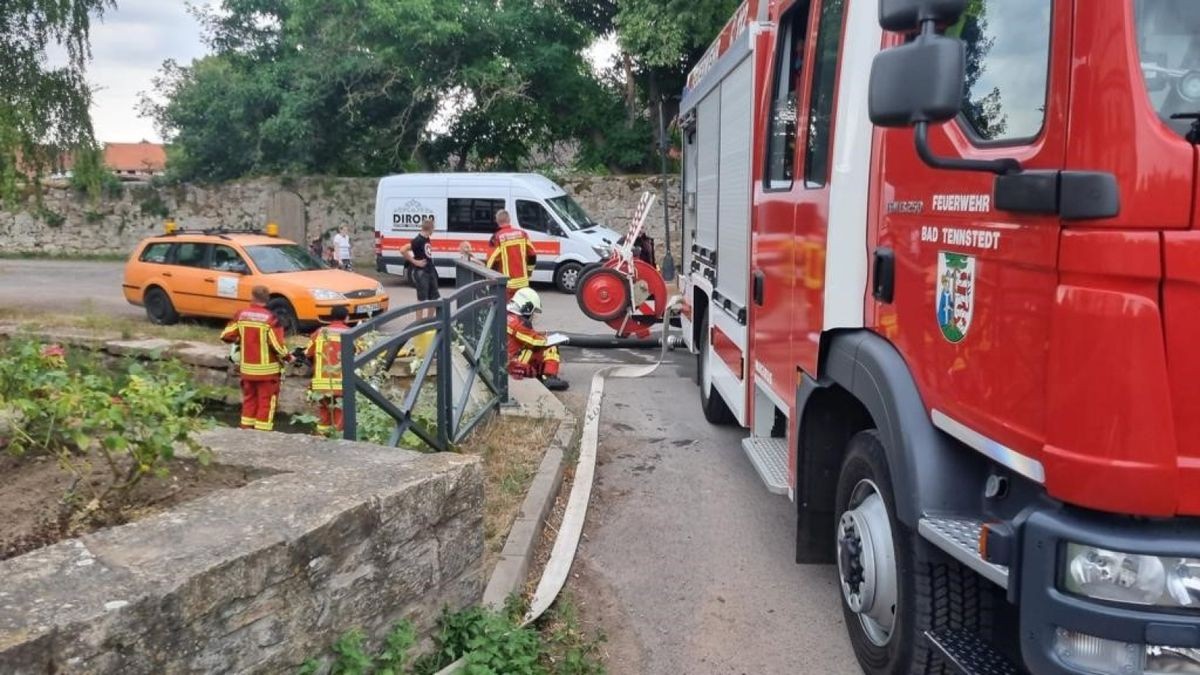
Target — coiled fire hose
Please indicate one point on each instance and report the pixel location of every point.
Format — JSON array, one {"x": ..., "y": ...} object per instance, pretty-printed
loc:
[{"x": 558, "y": 567}]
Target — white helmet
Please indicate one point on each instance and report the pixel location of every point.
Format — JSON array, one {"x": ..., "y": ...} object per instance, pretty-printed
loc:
[{"x": 525, "y": 302}]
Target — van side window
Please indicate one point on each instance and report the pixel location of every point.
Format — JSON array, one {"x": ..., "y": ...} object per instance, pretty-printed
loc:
[
  {"x": 533, "y": 216},
  {"x": 473, "y": 215},
  {"x": 824, "y": 86},
  {"x": 155, "y": 253},
  {"x": 789, "y": 66},
  {"x": 191, "y": 255},
  {"x": 1008, "y": 64}
]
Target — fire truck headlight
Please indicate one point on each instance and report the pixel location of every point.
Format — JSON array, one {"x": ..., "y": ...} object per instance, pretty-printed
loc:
[
  {"x": 1097, "y": 655},
  {"x": 1162, "y": 581},
  {"x": 326, "y": 295}
]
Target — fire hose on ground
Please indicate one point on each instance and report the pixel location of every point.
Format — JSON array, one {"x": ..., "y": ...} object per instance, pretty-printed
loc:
[{"x": 562, "y": 555}]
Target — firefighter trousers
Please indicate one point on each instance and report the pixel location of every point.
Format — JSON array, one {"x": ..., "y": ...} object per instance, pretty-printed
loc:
[
  {"x": 535, "y": 362},
  {"x": 259, "y": 397},
  {"x": 329, "y": 414}
]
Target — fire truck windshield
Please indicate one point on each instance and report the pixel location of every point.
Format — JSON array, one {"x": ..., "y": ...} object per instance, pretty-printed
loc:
[
  {"x": 1169, "y": 44},
  {"x": 570, "y": 212}
]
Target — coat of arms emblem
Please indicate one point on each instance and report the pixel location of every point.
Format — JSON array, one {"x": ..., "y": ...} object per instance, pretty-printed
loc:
[{"x": 955, "y": 294}]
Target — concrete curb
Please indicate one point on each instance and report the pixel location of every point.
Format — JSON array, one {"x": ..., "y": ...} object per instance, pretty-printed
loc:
[{"x": 517, "y": 556}]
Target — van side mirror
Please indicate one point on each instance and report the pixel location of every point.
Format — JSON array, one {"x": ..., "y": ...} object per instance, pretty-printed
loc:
[
  {"x": 921, "y": 81},
  {"x": 906, "y": 16}
]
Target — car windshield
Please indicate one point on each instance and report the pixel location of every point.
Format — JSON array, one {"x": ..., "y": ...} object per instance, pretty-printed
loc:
[
  {"x": 1169, "y": 44},
  {"x": 276, "y": 259},
  {"x": 570, "y": 212}
]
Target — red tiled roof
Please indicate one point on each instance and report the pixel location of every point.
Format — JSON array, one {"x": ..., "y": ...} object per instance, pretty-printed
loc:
[{"x": 135, "y": 156}]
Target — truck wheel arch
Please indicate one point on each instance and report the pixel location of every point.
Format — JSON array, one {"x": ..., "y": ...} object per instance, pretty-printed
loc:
[{"x": 864, "y": 382}]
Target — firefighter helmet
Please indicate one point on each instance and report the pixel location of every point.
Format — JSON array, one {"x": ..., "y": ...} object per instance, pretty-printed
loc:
[{"x": 525, "y": 302}]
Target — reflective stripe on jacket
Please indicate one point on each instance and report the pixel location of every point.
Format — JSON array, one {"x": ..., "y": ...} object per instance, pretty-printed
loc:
[
  {"x": 513, "y": 256},
  {"x": 325, "y": 352},
  {"x": 260, "y": 339}
]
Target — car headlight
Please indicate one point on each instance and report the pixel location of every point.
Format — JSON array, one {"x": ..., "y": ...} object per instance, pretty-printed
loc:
[
  {"x": 326, "y": 294},
  {"x": 379, "y": 290},
  {"x": 1162, "y": 581},
  {"x": 602, "y": 251}
]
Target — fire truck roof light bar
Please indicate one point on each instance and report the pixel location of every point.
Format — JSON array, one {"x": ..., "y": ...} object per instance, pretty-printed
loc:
[{"x": 1001, "y": 454}]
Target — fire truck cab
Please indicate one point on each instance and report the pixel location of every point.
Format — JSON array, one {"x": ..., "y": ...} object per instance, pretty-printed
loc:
[{"x": 942, "y": 259}]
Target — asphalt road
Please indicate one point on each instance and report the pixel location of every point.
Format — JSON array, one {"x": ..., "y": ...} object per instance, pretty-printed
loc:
[
  {"x": 687, "y": 561},
  {"x": 686, "y": 565}
]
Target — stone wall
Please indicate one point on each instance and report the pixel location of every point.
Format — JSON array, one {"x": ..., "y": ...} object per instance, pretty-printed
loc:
[
  {"x": 260, "y": 578},
  {"x": 70, "y": 223}
]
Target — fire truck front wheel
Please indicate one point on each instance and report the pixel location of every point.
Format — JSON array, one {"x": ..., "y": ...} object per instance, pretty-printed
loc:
[{"x": 892, "y": 593}]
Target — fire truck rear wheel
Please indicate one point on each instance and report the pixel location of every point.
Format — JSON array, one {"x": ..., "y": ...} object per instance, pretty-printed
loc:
[
  {"x": 894, "y": 586},
  {"x": 159, "y": 309},
  {"x": 716, "y": 411}
]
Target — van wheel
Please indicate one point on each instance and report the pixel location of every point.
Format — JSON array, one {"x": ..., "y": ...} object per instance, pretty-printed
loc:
[
  {"x": 566, "y": 277},
  {"x": 285, "y": 315},
  {"x": 895, "y": 587},
  {"x": 159, "y": 309},
  {"x": 716, "y": 411}
]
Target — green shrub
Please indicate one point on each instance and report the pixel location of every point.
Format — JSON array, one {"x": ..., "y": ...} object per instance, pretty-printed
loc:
[{"x": 128, "y": 420}]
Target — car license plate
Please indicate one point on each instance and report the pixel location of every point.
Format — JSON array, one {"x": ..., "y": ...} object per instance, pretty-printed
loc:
[{"x": 369, "y": 309}]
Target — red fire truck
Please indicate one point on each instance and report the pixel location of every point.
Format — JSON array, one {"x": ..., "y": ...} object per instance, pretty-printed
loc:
[{"x": 943, "y": 262}]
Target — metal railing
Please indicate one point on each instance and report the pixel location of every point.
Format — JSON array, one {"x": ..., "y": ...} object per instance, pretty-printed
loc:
[{"x": 466, "y": 352}]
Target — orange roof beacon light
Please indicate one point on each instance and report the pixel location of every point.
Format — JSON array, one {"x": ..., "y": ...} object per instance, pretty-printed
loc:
[
  {"x": 272, "y": 230},
  {"x": 170, "y": 227}
]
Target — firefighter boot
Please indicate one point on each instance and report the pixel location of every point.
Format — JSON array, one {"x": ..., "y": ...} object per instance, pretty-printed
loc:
[{"x": 553, "y": 383}]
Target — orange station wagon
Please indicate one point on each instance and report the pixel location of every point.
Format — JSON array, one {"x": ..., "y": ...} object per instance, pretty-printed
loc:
[{"x": 211, "y": 273}]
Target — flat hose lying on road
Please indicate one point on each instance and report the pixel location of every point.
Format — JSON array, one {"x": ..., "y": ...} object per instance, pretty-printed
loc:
[
  {"x": 611, "y": 342},
  {"x": 558, "y": 567}
]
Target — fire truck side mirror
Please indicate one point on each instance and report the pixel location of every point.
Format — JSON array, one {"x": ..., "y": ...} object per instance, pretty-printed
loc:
[
  {"x": 921, "y": 81},
  {"x": 905, "y": 16}
]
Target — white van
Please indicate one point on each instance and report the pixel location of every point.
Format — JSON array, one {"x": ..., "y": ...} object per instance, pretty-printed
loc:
[{"x": 464, "y": 206}]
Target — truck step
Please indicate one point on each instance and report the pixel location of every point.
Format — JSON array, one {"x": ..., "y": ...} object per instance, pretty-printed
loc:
[
  {"x": 770, "y": 459},
  {"x": 970, "y": 654},
  {"x": 960, "y": 538}
]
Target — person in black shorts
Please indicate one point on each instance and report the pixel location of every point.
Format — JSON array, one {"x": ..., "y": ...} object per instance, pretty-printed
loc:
[{"x": 419, "y": 254}]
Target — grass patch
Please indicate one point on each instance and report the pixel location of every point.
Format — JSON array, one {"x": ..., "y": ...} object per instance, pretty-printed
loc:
[
  {"x": 44, "y": 255},
  {"x": 512, "y": 450},
  {"x": 125, "y": 327}
]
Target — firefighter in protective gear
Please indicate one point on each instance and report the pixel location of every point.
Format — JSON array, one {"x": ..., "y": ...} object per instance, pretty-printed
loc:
[
  {"x": 528, "y": 353},
  {"x": 512, "y": 254},
  {"x": 324, "y": 352},
  {"x": 262, "y": 353}
]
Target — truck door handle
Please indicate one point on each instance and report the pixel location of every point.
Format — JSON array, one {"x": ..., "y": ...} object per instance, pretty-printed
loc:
[
  {"x": 884, "y": 284},
  {"x": 760, "y": 283}
]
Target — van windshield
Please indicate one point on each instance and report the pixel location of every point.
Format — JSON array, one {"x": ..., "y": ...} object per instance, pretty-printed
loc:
[
  {"x": 570, "y": 212},
  {"x": 283, "y": 258},
  {"x": 1169, "y": 45}
]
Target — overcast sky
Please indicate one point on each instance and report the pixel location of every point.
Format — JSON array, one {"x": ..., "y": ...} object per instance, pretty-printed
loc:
[
  {"x": 130, "y": 45},
  {"x": 128, "y": 48}
]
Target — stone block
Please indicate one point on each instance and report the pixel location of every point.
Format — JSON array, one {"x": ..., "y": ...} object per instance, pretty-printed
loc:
[{"x": 333, "y": 536}]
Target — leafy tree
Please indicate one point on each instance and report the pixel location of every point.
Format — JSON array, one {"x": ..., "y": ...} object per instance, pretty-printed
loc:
[{"x": 43, "y": 108}]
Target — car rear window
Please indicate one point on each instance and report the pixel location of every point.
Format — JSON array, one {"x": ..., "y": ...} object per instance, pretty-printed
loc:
[{"x": 155, "y": 253}]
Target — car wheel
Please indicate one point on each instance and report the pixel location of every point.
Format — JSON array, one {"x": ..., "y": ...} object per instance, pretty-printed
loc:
[
  {"x": 159, "y": 309},
  {"x": 716, "y": 411},
  {"x": 894, "y": 587},
  {"x": 285, "y": 315},
  {"x": 566, "y": 277}
]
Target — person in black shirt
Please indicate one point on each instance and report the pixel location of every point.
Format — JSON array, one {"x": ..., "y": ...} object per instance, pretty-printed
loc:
[{"x": 419, "y": 254}]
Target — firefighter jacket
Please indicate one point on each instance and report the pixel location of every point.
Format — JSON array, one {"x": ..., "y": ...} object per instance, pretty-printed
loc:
[
  {"x": 325, "y": 352},
  {"x": 513, "y": 256},
  {"x": 260, "y": 340},
  {"x": 528, "y": 354},
  {"x": 522, "y": 336}
]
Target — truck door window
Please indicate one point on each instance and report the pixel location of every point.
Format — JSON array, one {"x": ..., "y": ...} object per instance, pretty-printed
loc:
[
  {"x": 533, "y": 216},
  {"x": 1008, "y": 64},
  {"x": 1169, "y": 43},
  {"x": 824, "y": 88},
  {"x": 473, "y": 215},
  {"x": 789, "y": 65}
]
